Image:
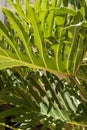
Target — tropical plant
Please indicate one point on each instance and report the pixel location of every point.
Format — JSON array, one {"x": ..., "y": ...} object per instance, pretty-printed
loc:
[{"x": 45, "y": 45}]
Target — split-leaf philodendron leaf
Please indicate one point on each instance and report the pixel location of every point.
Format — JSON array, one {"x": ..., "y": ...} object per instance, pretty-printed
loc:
[{"x": 26, "y": 41}]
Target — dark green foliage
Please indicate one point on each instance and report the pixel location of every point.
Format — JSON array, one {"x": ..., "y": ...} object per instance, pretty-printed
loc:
[{"x": 38, "y": 98}]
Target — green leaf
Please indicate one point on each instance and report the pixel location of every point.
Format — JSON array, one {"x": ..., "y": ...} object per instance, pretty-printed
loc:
[
  {"x": 73, "y": 50},
  {"x": 37, "y": 38},
  {"x": 5, "y": 33},
  {"x": 71, "y": 105},
  {"x": 17, "y": 26},
  {"x": 82, "y": 72},
  {"x": 59, "y": 125},
  {"x": 13, "y": 111},
  {"x": 11, "y": 99},
  {"x": 25, "y": 117},
  {"x": 64, "y": 57},
  {"x": 51, "y": 19}
]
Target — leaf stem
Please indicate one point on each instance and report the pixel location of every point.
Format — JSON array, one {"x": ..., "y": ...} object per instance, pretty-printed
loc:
[
  {"x": 5, "y": 125},
  {"x": 76, "y": 123},
  {"x": 83, "y": 94}
]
